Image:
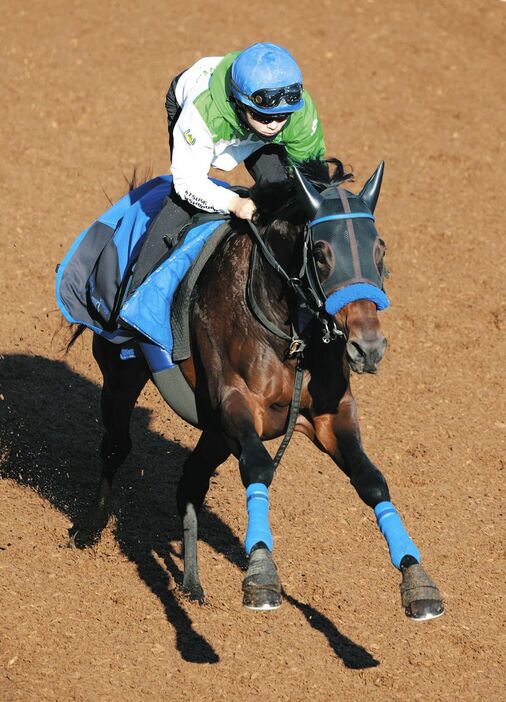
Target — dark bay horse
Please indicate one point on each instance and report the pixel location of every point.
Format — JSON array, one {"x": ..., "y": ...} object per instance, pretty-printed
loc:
[{"x": 276, "y": 327}]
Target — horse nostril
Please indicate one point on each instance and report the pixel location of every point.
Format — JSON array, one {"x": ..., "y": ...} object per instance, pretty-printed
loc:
[
  {"x": 355, "y": 352},
  {"x": 366, "y": 354}
]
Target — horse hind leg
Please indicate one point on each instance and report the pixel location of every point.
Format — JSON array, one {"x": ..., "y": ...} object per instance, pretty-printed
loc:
[
  {"x": 210, "y": 451},
  {"x": 123, "y": 382},
  {"x": 87, "y": 531}
]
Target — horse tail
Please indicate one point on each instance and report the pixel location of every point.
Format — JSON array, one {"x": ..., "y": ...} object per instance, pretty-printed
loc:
[
  {"x": 133, "y": 181},
  {"x": 77, "y": 330}
]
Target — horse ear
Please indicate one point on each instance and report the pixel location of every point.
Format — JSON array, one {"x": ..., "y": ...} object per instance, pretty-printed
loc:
[
  {"x": 309, "y": 195},
  {"x": 371, "y": 190}
]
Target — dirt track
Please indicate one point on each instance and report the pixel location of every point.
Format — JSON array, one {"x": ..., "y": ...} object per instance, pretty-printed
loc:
[{"x": 419, "y": 85}]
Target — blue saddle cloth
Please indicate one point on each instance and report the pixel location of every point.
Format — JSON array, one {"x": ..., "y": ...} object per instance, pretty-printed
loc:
[{"x": 94, "y": 276}]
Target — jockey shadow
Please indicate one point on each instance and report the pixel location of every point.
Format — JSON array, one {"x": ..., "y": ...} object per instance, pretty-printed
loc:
[{"x": 59, "y": 459}]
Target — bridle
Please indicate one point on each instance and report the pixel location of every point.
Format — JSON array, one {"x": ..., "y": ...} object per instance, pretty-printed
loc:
[{"x": 306, "y": 286}]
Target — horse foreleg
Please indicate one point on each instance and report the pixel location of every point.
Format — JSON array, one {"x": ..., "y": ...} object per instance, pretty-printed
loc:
[
  {"x": 211, "y": 450},
  {"x": 339, "y": 436},
  {"x": 123, "y": 382},
  {"x": 261, "y": 585}
]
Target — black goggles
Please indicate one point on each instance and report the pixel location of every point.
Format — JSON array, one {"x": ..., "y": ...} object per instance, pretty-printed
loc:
[
  {"x": 271, "y": 97},
  {"x": 267, "y": 119}
]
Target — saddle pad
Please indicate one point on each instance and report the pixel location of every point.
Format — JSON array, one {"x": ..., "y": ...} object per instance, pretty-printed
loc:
[
  {"x": 93, "y": 277},
  {"x": 90, "y": 275}
]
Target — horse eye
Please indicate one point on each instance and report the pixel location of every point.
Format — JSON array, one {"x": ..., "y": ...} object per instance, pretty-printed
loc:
[
  {"x": 379, "y": 251},
  {"x": 323, "y": 259}
]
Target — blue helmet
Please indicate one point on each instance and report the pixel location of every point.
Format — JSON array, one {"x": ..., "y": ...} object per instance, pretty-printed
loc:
[{"x": 267, "y": 78}]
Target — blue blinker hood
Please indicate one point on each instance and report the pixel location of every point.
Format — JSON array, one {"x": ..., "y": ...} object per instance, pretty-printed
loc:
[{"x": 342, "y": 225}]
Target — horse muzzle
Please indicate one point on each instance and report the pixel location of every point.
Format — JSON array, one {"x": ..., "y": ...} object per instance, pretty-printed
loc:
[{"x": 364, "y": 355}]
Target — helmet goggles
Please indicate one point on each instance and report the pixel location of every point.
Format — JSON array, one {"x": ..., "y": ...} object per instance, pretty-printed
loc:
[{"x": 272, "y": 97}]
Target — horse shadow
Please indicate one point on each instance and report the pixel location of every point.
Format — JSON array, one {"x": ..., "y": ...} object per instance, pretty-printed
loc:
[{"x": 50, "y": 430}]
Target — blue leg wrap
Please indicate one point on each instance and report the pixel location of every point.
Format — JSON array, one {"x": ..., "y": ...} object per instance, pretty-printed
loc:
[
  {"x": 397, "y": 538},
  {"x": 257, "y": 504}
]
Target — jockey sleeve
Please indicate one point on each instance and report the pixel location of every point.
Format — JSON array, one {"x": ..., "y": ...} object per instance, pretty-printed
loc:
[{"x": 192, "y": 157}]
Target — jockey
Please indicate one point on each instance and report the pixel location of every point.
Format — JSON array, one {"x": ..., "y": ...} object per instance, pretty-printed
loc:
[{"x": 249, "y": 106}]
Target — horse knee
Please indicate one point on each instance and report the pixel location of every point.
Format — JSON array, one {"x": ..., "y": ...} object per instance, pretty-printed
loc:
[
  {"x": 256, "y": 469},
  {"x": 371, "y": 486}
]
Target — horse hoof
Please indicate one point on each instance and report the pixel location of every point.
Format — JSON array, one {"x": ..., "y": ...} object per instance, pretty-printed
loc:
[
  {"x": 421, "y": 598},
  {"x": 261, "y": 586},
  {"x": 194, "y": 593},
  {"x": 423, "y": 610},
  {"x": 79, "y": 538},
  {"x": 262, "y": 600}
]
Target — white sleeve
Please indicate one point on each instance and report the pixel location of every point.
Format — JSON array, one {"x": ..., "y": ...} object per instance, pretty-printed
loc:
[{"x": 192, "y": 155}]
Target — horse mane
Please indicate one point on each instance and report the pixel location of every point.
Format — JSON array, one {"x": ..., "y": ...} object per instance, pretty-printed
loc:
[
  {"x": 268, "y": 196},
  {"x": 319, "y": 172}
]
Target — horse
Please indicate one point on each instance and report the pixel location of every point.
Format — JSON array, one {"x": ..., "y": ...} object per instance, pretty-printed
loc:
[{"x": 282, "y": 313}]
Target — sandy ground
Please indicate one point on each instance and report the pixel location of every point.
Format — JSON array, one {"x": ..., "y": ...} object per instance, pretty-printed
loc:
[{"x": 420, "y": 85}]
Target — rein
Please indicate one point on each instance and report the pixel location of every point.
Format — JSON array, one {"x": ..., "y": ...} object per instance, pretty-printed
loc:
[{"x": 307, "y": 294}]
